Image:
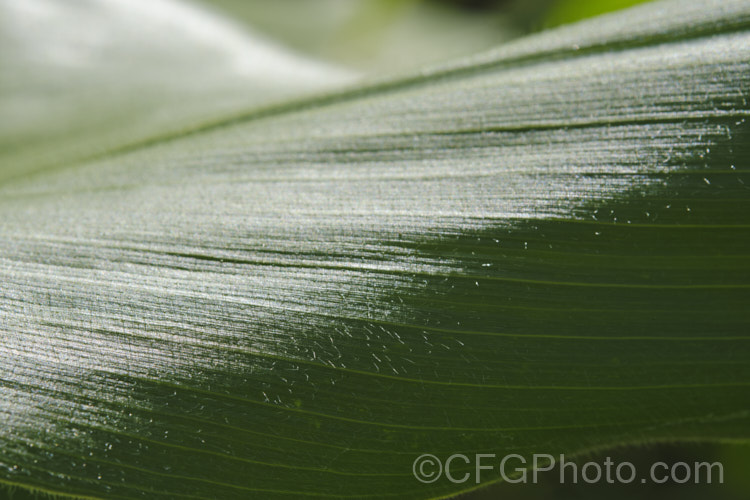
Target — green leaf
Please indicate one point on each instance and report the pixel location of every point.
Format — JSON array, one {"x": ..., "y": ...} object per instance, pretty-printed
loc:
[
  {"x": 542, "y": 249},
  {"x": 383, "y": 35},
  {"x": 566, "y": 11},
  {"x": 85, "y": 78}
]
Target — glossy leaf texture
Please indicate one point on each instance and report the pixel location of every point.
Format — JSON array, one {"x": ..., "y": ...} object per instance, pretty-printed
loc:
[{"x": 543, "y": 249}]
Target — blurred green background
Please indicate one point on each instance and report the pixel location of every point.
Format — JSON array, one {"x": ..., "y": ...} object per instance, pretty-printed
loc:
[{"x": 388, "y": 35}]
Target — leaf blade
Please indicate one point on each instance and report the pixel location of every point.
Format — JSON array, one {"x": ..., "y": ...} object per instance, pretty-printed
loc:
[{"x": 300, "y": 303}]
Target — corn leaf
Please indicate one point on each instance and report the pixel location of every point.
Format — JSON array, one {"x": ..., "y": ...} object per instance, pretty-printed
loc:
[{"x": 541, "y": 249}]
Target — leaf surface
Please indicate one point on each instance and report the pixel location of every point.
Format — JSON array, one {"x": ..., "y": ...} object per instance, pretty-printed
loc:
[
  {"x": 543, "y": 249},
  {"x": 87, "y": 77}
]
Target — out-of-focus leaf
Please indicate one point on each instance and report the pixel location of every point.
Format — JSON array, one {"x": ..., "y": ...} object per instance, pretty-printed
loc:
[
  {"x": 83, "y": 77},
  {"x": 379, "y": 35},
  {"x": 568, "y": 11},
  {"x": 542, "y": 249}
]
